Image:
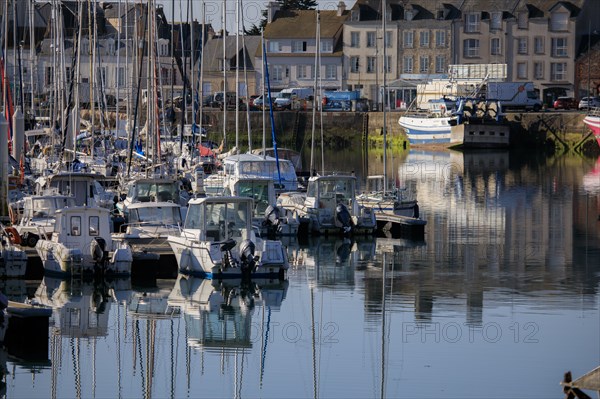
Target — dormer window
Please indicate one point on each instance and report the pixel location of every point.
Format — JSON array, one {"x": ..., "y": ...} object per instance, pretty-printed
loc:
[
  {"x": 409, "y": 15},
  {"x": 522, "y": 20},
  {"x": 354, "y": 16},
  {"x": 559, "y": 21},
  {"x": 440, "y": 14},
  {"x": 496, "y": 20}
]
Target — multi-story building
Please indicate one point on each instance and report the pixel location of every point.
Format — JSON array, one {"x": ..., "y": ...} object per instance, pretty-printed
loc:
[
  {"x": 290, "y": 38},
  {"x": 222, "y": 72}
]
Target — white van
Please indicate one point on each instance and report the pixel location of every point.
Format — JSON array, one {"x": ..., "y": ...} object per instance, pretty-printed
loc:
[{"x": 287, "y": 97}]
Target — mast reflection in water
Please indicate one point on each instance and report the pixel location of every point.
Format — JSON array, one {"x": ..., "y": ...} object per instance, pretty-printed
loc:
[{"x": 505, "y": 284}]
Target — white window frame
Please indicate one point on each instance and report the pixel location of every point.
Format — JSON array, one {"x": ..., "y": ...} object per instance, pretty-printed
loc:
[
  {"x": 471, "y": 48},
  {"x": 302, "y": 71},
  {"x": 472, "y": 21},
  {"x": 355, "y": 39},
  {"x": 440, "y": 64},
  {"x": 538, "y": 45},
  {"x": 274, "y": 46},
  {"x": 331, "y": 71},
  {"x": 371, "y": 39},
  {"x": 389, "y": 40},
  {"x": 299, "y": 46},
  {"x": 423, "y": 64},
  {"x": 407, "y": 64},
  {"x": 558, "y": 71},
  {"x": 371, "y": 64},
  {"x": 424, "y": 38},
  {"x": 522, "y": 45},
  {"x": 560, "y": 47},
  {"x": 277, "y": 73},
  {"x": 388, "y": 64},
  {"x": 408, "y": 39},
  {"x": 495, "y": 46},
  {"x": 440, "y": 38},
  {"x": 326, "y": 46},
  {"x": 355, "y": 64}
]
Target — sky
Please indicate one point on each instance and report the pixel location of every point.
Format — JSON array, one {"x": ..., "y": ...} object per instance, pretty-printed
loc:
[{"x": 252, "y": 11}]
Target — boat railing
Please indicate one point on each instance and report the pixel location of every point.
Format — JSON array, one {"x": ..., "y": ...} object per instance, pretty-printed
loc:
[{"x": 594, "y": 111}]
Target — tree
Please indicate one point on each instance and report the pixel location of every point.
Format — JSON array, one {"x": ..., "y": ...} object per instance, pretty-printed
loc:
[{"x": 283, "y": 5}]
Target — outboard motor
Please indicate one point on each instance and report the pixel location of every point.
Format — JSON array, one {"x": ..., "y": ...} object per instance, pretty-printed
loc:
[
  {"x": 343, "y": 216},
  {"x": 271, "y": 220},
  {"x": 247, "y": 257},
  {"x": 99, "y": 252},
  {"x": 226, "y": 248}
]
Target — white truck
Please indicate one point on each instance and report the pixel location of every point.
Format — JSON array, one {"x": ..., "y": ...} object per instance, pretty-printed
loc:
[
  {"x": 514, "y": 95},
  {"x": 291, "y": 98}
]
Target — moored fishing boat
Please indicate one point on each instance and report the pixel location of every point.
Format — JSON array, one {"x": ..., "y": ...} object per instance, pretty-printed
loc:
[
  {"x": 218, "y": 241},
  {"x": 81, "y": 243}
]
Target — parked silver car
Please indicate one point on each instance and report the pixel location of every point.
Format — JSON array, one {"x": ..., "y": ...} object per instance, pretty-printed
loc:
[{"x": 589, "y": 102}]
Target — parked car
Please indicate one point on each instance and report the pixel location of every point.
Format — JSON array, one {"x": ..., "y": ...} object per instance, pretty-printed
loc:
[
  {"x": 565, "y": 103},
  {"x": 218, "y": 102},
  {"x": 251, "y": 102},
  {"x": 589, "y": 102},
  {"x": 258, "y": 101}
]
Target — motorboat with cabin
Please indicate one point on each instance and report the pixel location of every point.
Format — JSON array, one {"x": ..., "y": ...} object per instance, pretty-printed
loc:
[
  {"x": 281, "y": 171},
  {"x": 81, "y": 243},
  {"x": 218, "y": 241},
  {"x": 396, "y": 201},
  {"x": 268, "y": 218},
  {"x": 329, "y": 206}
]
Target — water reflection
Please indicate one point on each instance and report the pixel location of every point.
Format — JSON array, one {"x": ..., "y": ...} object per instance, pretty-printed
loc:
[
  {"x": 81, "y": 308},
  {"x": 218, "y": 314},
  {"x": 508, "y": 270}
]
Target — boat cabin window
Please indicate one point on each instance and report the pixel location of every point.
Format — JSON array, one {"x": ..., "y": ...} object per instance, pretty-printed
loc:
[
  {"x": 340, "y": 189},
  {"x": 155, "y": 215},
  {"x": 150, "y": 192},
  {"x": 78, "y": 189},
  {"x": 94, "y": 225},
  {"x": 195, "y": 217},
  {"x": 75, "y": 225},
  {"x": 226, "y": 220}
]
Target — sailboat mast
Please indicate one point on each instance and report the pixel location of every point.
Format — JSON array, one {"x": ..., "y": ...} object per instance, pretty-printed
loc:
[
  {"x": 246, "y": 79},
  {"x": 314, "y": 115},
  {"x": 237, "y": 74},
  {"x": 223, "y": 33},
  {"x": 32, "y": 54},
  {"x": 385, "y": 68}
]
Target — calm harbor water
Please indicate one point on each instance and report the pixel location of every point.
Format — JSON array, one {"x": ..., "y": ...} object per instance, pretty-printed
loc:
[{"x": 499, "y": 300}]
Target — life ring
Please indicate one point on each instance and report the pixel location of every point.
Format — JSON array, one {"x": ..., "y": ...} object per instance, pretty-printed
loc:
[{"x": 13, "y": 235}]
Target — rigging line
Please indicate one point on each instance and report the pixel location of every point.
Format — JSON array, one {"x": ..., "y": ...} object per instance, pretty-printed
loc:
[
  {"x": 66, "y": 112},
  {"x": 137, "y": 100}
]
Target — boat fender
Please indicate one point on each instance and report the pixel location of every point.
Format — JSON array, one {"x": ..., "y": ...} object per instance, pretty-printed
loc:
[{"x": 13, "y": 235}]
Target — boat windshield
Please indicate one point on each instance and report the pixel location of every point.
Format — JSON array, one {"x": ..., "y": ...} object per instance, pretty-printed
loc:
[
  {"x": 156, "y": 215},
  {"x": 220, "y": 220},
  {"x": 265, "y": 168},
  {"x": 150, "y": 192},
  {"x": 259, "y": 191},
  {"x": 342, "y": 189}
]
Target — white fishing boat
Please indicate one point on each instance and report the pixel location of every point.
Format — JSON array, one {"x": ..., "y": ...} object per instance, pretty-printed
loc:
[
  {"x": 218, "y": 241},
  {"x": 34, "y": 217},
  {"x": 267, "y": 217},
  {"x": 329, "y": 206},
  {"x": 152, "y": 190},
  {"x": 432, "y": 125},
  {"x": 148, "y": 226},
  {"x": 396, "y": 201},
  {"x": 84, "y": 187},
  {"x": 282, "y": 172},
  {"x": 81, "y": 243}
]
